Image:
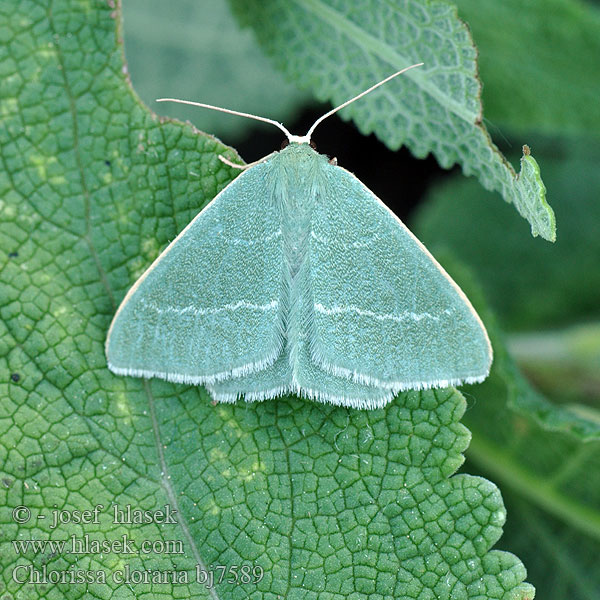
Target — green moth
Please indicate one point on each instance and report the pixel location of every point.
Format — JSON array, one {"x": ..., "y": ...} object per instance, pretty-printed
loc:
[{"x": 298, "y": 279}]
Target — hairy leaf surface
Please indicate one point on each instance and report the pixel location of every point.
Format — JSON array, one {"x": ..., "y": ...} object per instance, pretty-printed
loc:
[{"x": 339, "y": 48}]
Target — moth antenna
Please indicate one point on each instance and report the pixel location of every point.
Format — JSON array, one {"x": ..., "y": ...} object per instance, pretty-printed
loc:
[
  {"x": 304, "y": 139},
  {"x": 231, "y": 112},
  {"x": 373, "y": 87}
]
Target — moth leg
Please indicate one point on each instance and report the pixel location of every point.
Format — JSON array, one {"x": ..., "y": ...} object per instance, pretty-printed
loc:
[
  {"x": 244, "y": 167},
  {"x": 234, "y": 165}
]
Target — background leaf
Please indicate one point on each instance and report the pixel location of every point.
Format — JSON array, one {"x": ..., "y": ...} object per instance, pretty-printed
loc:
[
  {"x": 337, "y": 51},
  {"x": 547, "y": 458},
  {"x": 539, "y": 61},
  {"x": 196, "y": 51},
  {"x": 530, "y": 285},
  {"x": 329, "y": 502}
]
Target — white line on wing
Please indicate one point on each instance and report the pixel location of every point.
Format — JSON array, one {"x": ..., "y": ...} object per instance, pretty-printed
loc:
[
  {"x": 199, "y": 310},
  {"x": 338, "y": 310}
]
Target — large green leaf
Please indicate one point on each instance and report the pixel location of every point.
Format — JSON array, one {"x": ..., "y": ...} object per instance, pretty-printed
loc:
[
  {"x": 562, "y": 562},
  {"x": 338, "y": 49},
  {"x": 328, "y": 502},
  {"x": 540, "y": 62},
  {"x": 547, "y": 457}
]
